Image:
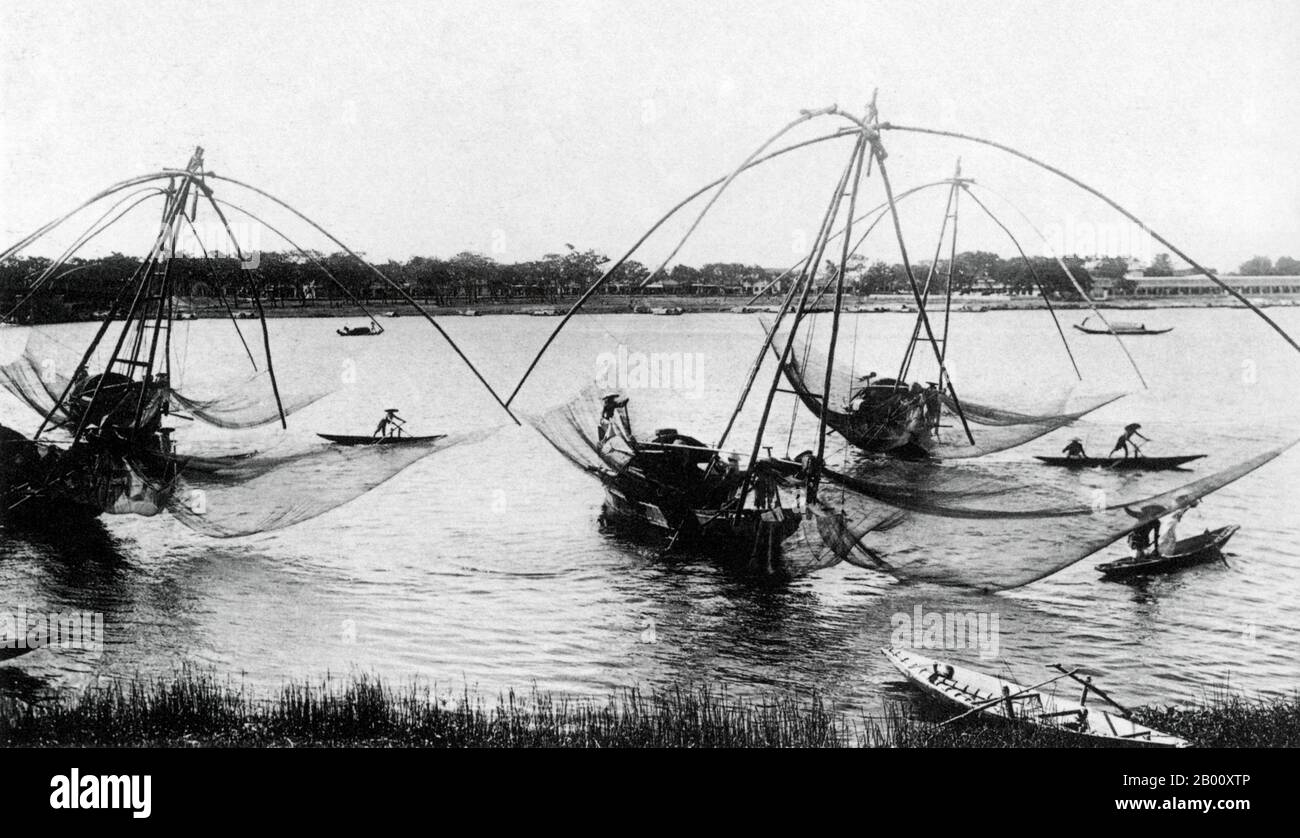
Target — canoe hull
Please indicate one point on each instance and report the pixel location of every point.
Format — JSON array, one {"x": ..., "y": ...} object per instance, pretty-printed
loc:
[
  {"x": 967, "y": 689},
  {"x": 345, "y": 439},
  {"x": 1122, "y": 332},
  {"x": 1122, "y": 463},
  {"x": 1189, "y": 552}
]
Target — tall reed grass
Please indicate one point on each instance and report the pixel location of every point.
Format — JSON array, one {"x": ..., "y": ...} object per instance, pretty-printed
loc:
[{"x": 195, "y": 708}]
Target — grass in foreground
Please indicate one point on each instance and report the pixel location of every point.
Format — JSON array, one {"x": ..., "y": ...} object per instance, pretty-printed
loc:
[{"x": 195, "y": 709}]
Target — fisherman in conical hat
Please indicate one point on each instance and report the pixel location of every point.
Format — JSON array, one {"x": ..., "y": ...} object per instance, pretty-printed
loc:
[
  {"x": 1075, "y": 450},
  {"x": 1126, "y": 438},
  {"x": 613, "y": 403},
  {"x": 390, "y": 425}
]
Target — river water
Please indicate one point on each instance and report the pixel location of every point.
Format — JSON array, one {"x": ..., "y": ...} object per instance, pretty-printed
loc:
[{"x": 483, "y": 567}]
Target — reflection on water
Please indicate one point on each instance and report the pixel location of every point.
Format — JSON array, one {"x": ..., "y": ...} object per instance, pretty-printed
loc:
[{"x": 483, "y": 566}]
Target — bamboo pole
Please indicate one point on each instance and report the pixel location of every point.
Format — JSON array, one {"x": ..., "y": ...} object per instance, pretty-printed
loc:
[
  {"x": 811, "y": 493},
  {"x": 1114, "y": 205},
  {"x": 609, "y": 272},
  {"x": 1038, "y": 282},
  {"x": 1073, "y": 280},
  {"x": 819, "y": 247},
  {"x": 879, "y": 152},
  {"x": 407, "y": 297}
]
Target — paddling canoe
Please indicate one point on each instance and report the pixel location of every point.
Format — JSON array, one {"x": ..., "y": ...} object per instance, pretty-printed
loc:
[
  {"x": 1187, "y": 552},
  {"x": 1122, "y": 463},
  {"x": 1007, "y": 701},
  {"x": 345, "y": 439}
]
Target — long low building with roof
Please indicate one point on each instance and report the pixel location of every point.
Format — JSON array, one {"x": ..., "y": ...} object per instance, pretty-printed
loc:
[{"x": 1192, "y": 286}]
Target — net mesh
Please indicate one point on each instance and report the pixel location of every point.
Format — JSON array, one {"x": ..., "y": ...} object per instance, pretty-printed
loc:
[
  {"x": 228, "y": 496},
  {"x": 220, "y": 484},
  {"x": 40, "y": 374},
  {"x": 997, "y": 526}
]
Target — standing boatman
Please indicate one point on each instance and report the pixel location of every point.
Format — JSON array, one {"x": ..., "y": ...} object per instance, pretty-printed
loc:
[
  {"x": 1126, "y": 438},
  {"x": 390, "y": 425}
]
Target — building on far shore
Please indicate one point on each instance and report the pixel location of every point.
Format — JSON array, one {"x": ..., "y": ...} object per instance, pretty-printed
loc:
[{"x": 1195, "y": 286}]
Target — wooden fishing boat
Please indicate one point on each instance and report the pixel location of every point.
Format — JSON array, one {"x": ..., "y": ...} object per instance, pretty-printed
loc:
[
  {"x": 1138, "y": 463},
  {"x": 1119, "y": 328},
  {"x": 678, "y": 493},
  {"x": 350, "y": 439},
  {"x": 999, "y": 699},
  {"x": 1187, "y": 552}
]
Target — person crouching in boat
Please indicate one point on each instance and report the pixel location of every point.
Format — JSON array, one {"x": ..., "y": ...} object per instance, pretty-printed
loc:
[
  {"x": 1144, "y": 538},
  {"x": 615, "y": 407},
  {"x": 1074, "y": 450},
  {"x": 1126, "y": 439}
]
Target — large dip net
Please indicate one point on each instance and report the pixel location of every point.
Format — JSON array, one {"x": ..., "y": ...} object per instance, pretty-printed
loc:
[
  {"x": 1001, "y": 525},
  {"x": 922, "y": 417}
]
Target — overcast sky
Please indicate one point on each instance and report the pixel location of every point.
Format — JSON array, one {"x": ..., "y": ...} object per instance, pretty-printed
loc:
[{"x": 514, "y": 128}]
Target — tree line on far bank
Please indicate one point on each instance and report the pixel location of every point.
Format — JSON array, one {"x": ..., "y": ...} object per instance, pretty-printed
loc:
[
  {"x": 471, "y": 278},
  {"x": 83, "y": 286}
]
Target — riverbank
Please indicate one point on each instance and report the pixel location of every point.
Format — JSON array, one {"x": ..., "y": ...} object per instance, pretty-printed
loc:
[
  {"x": 674, "y": 305},
  {"x": 202, "y": 709},
  {"x": 200, "y": 309}
]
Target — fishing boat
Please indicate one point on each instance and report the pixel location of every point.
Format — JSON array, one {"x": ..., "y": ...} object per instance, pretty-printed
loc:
[
  {"x": 349, "y": 439},
  {"x": 107, "y": 440},
  {"x": 1136, "y": 463},
  {"x": 120, "y": 457},
  {"x": 917, "y": 412},
  {"x": 1188, "y": 552},
  {"x": 1003, "y": 700},
  {"x": 679, "y": 489},
  {"x": 1119, "y": 327},
  {"x": 372, "y": 330}
]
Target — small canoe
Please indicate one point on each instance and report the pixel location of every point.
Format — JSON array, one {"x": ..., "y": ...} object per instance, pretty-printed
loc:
[
  {"x": 1119, "y": 328},
  {"x": 1122, "y": 463},
  {"x": 358, "y": 331},
  {"x": 995, "y": 698},
  {"x": 1187, "y": 552},
  {"x": 345, "y": 439}
]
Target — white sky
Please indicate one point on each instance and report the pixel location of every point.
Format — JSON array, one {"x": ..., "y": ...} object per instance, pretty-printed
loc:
[{"x": 512, "y": 128}]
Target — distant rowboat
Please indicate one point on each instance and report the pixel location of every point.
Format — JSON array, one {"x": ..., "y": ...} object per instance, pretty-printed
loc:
[
  {"x": 346, "y": 439},
  {"x": 360, "y": 331},
  {"x": 1123, "y": 463},
  {"x": 1120, "y": 328}
]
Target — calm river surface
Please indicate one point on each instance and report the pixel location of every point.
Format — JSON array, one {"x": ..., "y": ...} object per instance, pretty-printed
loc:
[{"x": 483, "y": 567}]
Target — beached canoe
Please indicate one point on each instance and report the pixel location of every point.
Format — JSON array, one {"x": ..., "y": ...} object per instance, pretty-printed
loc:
[
  {"x": 995, "y": 698},
  {"x": 345, "y": 439},
  {"x": 1187, "y": 552},
  {"x": 1122, "y": 463}
]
